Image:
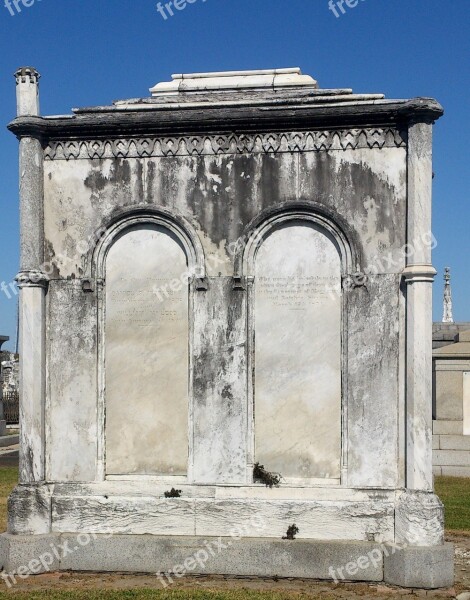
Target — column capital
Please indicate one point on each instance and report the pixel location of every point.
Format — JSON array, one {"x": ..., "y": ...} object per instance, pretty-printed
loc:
[
  {"x": 32, "y": 279},
  {"x": 27, "y": 75},
  {"x": 419, "y": 273}
]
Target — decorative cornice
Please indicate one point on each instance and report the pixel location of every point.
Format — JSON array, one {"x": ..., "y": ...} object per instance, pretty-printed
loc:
[
  {"x": 202, "y": 145},
  {"x": 242, "y": 116}
]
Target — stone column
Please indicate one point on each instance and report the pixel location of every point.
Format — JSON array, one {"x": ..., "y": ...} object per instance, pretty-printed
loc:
[
  {"x": 32, "y": 283},
  {"x": 419, "y": 276}
]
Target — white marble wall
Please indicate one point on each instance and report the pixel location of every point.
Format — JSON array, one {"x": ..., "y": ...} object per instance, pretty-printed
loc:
[{"x": 361, "y": 405}]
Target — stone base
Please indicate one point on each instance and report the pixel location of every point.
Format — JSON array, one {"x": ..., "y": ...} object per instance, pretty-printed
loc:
[
  {"x": 421, "y": 567},
  {"x": 173, "y": 557}
]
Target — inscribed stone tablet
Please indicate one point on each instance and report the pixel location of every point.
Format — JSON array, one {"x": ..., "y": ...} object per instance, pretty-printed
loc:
[
  {"x": 146, "y": 329},
  {"x": 298, "y": 353}
]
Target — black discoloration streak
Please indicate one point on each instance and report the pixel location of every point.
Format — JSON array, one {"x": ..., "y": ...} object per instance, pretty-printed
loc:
[
  {"x": 96, "y": 181},
  {"x": 50, "y": 259},
  {"x": 124, "y": 183},
  {"x": 227, "y": 393},
  {"x": 347, "y": 188},
  {"x": 150, "y": 181}
]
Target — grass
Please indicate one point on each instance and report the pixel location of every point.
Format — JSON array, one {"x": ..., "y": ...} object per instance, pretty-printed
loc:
[
  {"x": 159, "y": 595},
  {"x": 8, "y": 480},
  {"x": 455, "y": 494}
]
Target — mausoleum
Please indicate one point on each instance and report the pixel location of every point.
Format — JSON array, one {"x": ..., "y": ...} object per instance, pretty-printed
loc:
[{"x": 225, "y": 285}]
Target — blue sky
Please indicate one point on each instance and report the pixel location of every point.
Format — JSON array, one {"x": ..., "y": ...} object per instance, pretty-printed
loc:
[{"x": 95, "y": 51}]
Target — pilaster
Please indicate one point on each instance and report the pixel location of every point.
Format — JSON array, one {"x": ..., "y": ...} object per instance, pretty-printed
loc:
[
  {"x": 33, "y": 284},
  {"x": 419, "y": 276}
]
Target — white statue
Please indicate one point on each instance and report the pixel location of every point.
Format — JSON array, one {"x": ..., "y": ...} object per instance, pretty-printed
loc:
[{"x": 447, "y": 316}]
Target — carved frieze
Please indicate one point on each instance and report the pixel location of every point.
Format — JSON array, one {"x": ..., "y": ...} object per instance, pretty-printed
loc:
[{"x": 207, "y": 145}]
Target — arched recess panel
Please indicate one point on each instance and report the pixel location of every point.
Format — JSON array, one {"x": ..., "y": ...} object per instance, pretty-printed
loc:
[
  {"x": 146, "y": 353},
  {"x": 298, "y": 314}
]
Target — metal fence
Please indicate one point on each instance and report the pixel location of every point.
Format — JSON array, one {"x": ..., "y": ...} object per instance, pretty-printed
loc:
[{"x": 11, "y": 407}]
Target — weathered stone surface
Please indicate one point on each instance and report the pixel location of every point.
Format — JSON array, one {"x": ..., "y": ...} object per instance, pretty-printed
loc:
[
  {"x": 421, "y": 567},
  {"x": 114, "y": 121},
  {"x": 29, "y": 510},
  {"x": 267, "y": 79},
  {"x": 217, "y": 173},
  {"x": 124, "y": 553},
  {"x": 32, "y": 383},
  {"x": 31, "y": 207},
  {"x": 419, "y": 519},
  {"x": 219, "y": 385},
  {"x": 297, "y": 320},
  {"x": 365, "y": 518},
  {"x": 123, "y": 515},
  {"x": 316, "y": 520},
  {"x": 354, "y": 183},
  {"x": 24, "y": 555},
  {"x": 72, "y": 385},
  {"x": 352, "y": 561},
  {"x": 374, "y": 457},
  {"x": 419, "y": 275},
  {"x": 27, "y": 91},
  {"x": 146, "y": 356}
]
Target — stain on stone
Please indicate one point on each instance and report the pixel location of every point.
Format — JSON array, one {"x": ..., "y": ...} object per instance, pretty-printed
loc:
[
  {"x": 150, "y": 181},
  {"x": 96, "y": 180},
  {"x": 269, "y": 182},
  {"x": 227, "y": 393},
  {"x": 117, "y": 182},
  {"x": 50, "y": 260}
]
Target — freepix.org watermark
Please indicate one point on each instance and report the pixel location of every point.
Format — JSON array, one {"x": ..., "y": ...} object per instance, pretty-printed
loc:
[
  {"x": 197, "y": 562},
  {"x": 371, "y": 559},
  {"x": 46, "y": 561},
  {"x": 337, "y": 7},
  {"x": 14, "y": 7},
  {"x": 167, "y": 9}
]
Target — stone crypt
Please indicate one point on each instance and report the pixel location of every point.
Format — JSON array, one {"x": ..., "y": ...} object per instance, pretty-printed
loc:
[{"x": 233, "y": 272}]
